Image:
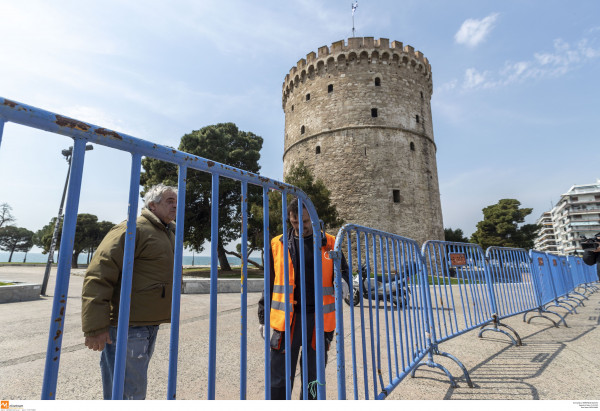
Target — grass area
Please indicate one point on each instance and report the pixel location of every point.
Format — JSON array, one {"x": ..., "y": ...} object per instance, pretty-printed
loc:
[
  {"x": 204, "y": 272},
  {"x": 1, "y": 283}
]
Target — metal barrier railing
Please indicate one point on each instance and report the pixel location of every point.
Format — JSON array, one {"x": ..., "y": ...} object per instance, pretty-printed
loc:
[
  {"x": 82, "y": 132},
  {"x": 460, "y": 289}
]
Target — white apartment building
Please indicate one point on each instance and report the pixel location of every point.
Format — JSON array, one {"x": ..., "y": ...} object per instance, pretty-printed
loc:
[
  {"x": 576, "y": 214},
  {"x": 545, "y": 240}
]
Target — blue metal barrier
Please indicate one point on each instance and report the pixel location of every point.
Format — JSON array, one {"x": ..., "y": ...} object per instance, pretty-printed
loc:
[
  {"x": 546, "y": 289},
  {"x": 82, "y": 132},
  {"x": 390, "y": 275},
  {"x": 461, "y": 289}
]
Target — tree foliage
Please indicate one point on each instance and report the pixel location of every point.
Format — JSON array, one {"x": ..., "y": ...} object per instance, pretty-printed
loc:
[
  {"x": 5, "y": 215},
  {"x": 455, "y": 235},
  {"x": 89, "y": 232},
  {"x": 223, "y": 143},
  {"x": 500, "y": 226},
  {"x": 15, "y": 239}
]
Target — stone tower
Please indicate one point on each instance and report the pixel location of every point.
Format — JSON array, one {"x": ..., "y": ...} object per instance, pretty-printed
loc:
[{"x": 359, "y": 116}]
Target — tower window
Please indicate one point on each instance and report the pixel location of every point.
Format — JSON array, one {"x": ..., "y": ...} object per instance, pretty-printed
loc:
[
  {"x": 412, "y": 146},
  {"x": 417, "y": 117},
  {"x": 396, "y": 196},
  {"x": 318, "y": 150},
  {"x": 308, "y": 97},
  {"x": 377, "y": 82},
  {"x": 373, "y": 112},
  {"x": 421, "y": 94},
  {"x": 292, "y": 107},
  {"x": 330, "y": 88},
  {"x": 302, "y": 130}
]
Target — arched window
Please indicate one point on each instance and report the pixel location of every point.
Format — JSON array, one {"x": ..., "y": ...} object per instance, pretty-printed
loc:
[
  {"x": 302, "y": 130},
  {"x": 377, "y": 82},
  {"x": 396, "y": 196},
  {"x": 417, "y": 118},
  {"x": 412, "y": 146},
  {"x": 318, "y": 150},
  {"x": 330, "y": 88},
  {"x": 373, "y": 112},
  {"x": 308, "y": 97}
]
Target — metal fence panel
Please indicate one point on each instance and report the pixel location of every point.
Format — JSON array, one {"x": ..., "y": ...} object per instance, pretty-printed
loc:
[
  {"x": 82, "y": 132},
  {"x": 388, "y": 319},
  {"x": 461, "y": 293},
  {"x": 514, "y": 280}
]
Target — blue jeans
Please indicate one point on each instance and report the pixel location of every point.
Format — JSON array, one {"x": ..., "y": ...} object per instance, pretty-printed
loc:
[{"x": 140, "y": 346}]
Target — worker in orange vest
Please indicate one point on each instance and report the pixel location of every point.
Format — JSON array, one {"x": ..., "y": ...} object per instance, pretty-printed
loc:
[{"x": 277, "y": 294}]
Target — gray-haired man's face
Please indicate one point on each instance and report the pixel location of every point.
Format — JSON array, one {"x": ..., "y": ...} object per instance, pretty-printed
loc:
[{"x": 166, "y": 210}]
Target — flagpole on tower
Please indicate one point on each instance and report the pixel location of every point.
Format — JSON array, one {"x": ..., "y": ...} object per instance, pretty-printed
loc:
[{"x": 354, "y": 6}]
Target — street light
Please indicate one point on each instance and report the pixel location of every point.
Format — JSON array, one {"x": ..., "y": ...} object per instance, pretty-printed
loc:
[{"x": 68, "y": 154}]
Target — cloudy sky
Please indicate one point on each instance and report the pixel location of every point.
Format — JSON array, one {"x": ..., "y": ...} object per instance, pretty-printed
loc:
[{"x": 515, "y": 103}]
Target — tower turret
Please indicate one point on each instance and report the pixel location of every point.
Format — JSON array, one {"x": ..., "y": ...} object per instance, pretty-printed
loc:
[{"x": 359, "y": 116}]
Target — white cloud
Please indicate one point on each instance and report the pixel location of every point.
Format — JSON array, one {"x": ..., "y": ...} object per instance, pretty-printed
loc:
[
  {"x": 549, "y": 64},
  {"x": 473, "y": 32}
]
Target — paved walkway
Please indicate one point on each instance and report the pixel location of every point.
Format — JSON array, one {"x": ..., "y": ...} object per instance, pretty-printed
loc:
[{"x": 553, "y": 364}]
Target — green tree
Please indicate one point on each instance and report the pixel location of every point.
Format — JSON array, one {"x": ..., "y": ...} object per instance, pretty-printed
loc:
[
  {"x": 15, "y": 239},
  {"x": 455, "y": 235},
  {"x": 500, "y": 226},
  {"x": 223, "y": 143},
  {"x": 5, "y": 214},
  {"x": 89, "y": 232}
]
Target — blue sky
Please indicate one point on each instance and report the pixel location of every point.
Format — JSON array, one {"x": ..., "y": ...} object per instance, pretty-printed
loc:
[{"x": 515, "y": 103}]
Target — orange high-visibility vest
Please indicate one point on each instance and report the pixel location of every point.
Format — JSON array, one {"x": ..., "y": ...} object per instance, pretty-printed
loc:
[{"x": 278, "y": 298}]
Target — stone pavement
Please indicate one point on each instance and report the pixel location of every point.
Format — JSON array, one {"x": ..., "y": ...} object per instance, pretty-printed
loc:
[{"x": 553, "y": 363}]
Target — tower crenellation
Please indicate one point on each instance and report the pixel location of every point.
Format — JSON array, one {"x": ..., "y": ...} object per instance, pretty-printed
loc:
[{"x": 358, "y": 114}]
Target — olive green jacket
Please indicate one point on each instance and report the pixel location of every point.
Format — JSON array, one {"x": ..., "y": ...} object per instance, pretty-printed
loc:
[{"x": 152, "y": 282}]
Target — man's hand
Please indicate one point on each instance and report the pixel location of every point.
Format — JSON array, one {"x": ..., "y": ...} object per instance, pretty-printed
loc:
[
  {"x": 261, "y": 330},
  {"x": 98, "y": 342}
]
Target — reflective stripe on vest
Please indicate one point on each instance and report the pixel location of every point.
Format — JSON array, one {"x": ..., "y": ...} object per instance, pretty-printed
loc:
[{"x": 278, "y": 297}]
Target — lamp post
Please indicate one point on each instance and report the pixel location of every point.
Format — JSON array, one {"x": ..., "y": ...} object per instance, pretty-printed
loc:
[{"x": 68, "y": 154}]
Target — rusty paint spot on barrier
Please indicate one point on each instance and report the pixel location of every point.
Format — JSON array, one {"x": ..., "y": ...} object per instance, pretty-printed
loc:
[
  {"x": 62, "y": 311},
  {"x": 55, "y": 358},
  {"x": 71, "y": 123},
  {"x": 10, "y": 103},
  {"x": 109, "y": 133},
  {"x": 210, "y": 163},
  {"x": 58, "y": 334}
]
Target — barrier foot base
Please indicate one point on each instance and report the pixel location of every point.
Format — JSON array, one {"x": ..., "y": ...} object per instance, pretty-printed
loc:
[
  {"x": 431, "y": 363},
  {"x": 495, "y": 327},
  {"x": 541, "y": 313}
]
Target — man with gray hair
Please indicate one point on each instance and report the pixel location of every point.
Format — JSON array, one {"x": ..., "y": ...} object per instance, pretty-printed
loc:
[{"x": 152, "y": 285}]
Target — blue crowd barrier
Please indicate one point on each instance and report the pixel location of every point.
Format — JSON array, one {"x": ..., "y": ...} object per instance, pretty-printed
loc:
[
  {"x": 461, "y": 288},
  {"x": 82, "y": 132}
]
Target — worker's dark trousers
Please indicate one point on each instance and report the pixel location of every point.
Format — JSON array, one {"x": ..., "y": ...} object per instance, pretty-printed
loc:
[{"x": 278, "y": 389}]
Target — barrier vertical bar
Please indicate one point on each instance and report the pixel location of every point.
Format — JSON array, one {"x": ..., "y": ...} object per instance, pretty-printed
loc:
[
  {"x": 244, "y": 296},
  {"x": 177, "y": 274},
  {"x": 339, "y": 321},
  {"x": 214, "y": 272},
  {"x": 286, "y": 298},
  {"x": 267, "y": 293},
  {"x": 1, "y": 130},
  {"x": 126, "y": 280},
  {"x": 61, "y": 288},
  {"x": 319, "y": 322},
  {"x": 303, "y": 299}
]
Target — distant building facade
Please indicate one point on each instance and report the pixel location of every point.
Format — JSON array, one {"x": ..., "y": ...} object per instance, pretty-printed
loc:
[
  {"x": 576, "y": 214},
  {"x": 358, "y": 115},
  {"x": 545, "y": 240}
]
